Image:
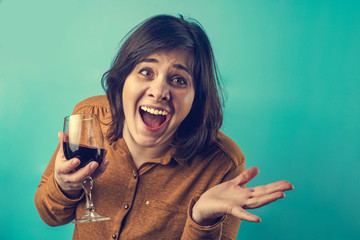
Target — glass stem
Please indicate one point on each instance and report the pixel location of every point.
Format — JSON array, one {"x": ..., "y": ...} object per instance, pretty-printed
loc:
[{"x": 87, "y": 185}]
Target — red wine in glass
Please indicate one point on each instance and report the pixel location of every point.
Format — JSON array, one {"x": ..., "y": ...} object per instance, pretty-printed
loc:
[{"x": 83, "y": 153}]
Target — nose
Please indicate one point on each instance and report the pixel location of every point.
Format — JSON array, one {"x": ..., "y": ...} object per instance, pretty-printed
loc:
[{"x": 159, "y": 89}]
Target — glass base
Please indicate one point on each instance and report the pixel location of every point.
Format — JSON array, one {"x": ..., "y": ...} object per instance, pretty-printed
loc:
[{"x": 91, "y": 216}]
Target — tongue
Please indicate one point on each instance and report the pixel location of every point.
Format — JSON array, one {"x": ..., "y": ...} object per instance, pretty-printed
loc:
[{"x": 152, "y": 120}]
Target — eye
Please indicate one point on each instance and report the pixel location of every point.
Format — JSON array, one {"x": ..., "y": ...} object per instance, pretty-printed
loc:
[
  {"x": 179, "y": 82},
  {"x": 146, "y": 72}
]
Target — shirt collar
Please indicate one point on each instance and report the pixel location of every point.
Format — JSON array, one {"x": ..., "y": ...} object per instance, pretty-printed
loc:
[{"x": 164, "y": 160}]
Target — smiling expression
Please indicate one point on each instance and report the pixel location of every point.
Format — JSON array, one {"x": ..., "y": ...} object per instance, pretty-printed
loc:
[{"x": 157, "y": 97}]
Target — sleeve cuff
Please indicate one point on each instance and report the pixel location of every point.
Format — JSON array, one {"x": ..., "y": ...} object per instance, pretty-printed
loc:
[{"x": 193, "y": 230}]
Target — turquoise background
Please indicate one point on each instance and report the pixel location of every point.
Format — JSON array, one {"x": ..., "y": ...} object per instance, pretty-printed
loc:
[{"x": 291, "y": 70}]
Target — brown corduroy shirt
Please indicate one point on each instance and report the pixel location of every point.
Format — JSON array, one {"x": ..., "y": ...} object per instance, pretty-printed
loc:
[{"x": 152, "y": 202}]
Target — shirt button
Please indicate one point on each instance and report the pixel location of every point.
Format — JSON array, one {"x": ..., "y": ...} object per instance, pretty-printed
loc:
[
  {"x": 126, "y": 206},
  {"x": 114, "y": 236},
  {"x": 135, "y": 175}
]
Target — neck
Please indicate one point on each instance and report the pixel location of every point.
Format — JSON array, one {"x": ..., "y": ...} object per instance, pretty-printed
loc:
[{"x": 142, "y": 153}]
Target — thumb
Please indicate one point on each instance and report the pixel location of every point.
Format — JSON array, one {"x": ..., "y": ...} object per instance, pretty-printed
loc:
[
  {"x": 63, "y": 137},
  {"x": 246, "y": 176}
]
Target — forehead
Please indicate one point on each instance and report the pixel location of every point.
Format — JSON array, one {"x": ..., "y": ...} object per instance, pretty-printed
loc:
[{"x": 180, "y": 57}]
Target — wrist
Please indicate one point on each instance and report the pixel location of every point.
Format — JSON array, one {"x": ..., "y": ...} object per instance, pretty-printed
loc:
[
  {"x": 69, "y": 193},
  {"x": 199, "y": 218},
  {"x": 72, "y": 194}
]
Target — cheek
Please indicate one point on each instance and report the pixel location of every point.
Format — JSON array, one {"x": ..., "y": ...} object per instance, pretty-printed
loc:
[
  {"x": 125, "y": 96},
  {"x": 129, "y": 99},
  {"x": 184, "y": 103},
  {"x": 132, "y": 91}
]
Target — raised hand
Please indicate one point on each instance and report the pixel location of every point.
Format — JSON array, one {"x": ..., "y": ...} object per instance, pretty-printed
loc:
[
  {"x": 232, "y": 198},
  {"x": 67, "y": 178}
]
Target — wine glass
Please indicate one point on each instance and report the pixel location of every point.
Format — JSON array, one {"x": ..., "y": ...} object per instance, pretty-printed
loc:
[{"x": 84, "y": 140}]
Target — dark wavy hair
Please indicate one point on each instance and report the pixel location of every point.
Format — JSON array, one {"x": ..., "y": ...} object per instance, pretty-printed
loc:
[{"x": 196, "y": 133}]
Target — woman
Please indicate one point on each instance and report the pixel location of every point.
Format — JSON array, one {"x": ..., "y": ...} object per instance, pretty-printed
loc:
[{"x": 173, "y": 174}]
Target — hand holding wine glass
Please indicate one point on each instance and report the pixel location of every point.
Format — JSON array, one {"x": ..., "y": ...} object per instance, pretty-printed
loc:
[
  {"x": 77, "y": 162},
  {"x": 67, "y": 178}
]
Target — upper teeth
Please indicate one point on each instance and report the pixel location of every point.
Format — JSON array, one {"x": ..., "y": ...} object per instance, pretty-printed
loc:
[{"x": 154, "y": 111}]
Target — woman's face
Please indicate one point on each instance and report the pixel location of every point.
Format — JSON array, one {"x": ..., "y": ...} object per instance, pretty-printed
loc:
[{"x": 157, "y": 96}]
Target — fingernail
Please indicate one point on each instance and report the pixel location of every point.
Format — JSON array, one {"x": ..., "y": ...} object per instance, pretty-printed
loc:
[
  {"x": 107, "y": 161},
  {"x": 75, "y": 162},
  {"x": 93, "y": 166}
]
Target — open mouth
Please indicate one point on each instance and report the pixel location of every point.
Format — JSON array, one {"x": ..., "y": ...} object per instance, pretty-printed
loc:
[{"x": 153, "y": 118}]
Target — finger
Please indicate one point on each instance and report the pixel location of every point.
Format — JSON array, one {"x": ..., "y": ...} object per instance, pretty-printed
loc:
[
  {"x": 60, "y": 154},
  {"x": 264, "y": 200},
  {"x": 67, "y": 166},
  {"x": 244, "y": 215},
  {"x": 63, "y": 137},
  {"x": 61, "y": 150},
  {"x": 271, "y": 188},
  {"x": 101, "y": 169},
  {"x": 83, "y": 172},
  {"x": 246, "y": 176}
]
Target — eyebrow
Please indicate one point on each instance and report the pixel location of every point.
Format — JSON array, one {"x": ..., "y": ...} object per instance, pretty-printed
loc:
[{"x": 178, "y": 66}]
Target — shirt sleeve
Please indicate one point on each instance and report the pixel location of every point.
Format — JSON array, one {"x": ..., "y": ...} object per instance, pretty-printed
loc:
[
  {"x": 226, "y": 228},
  {"x": 194, "y": 231},
  {"x": 54, "y": 207}
]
